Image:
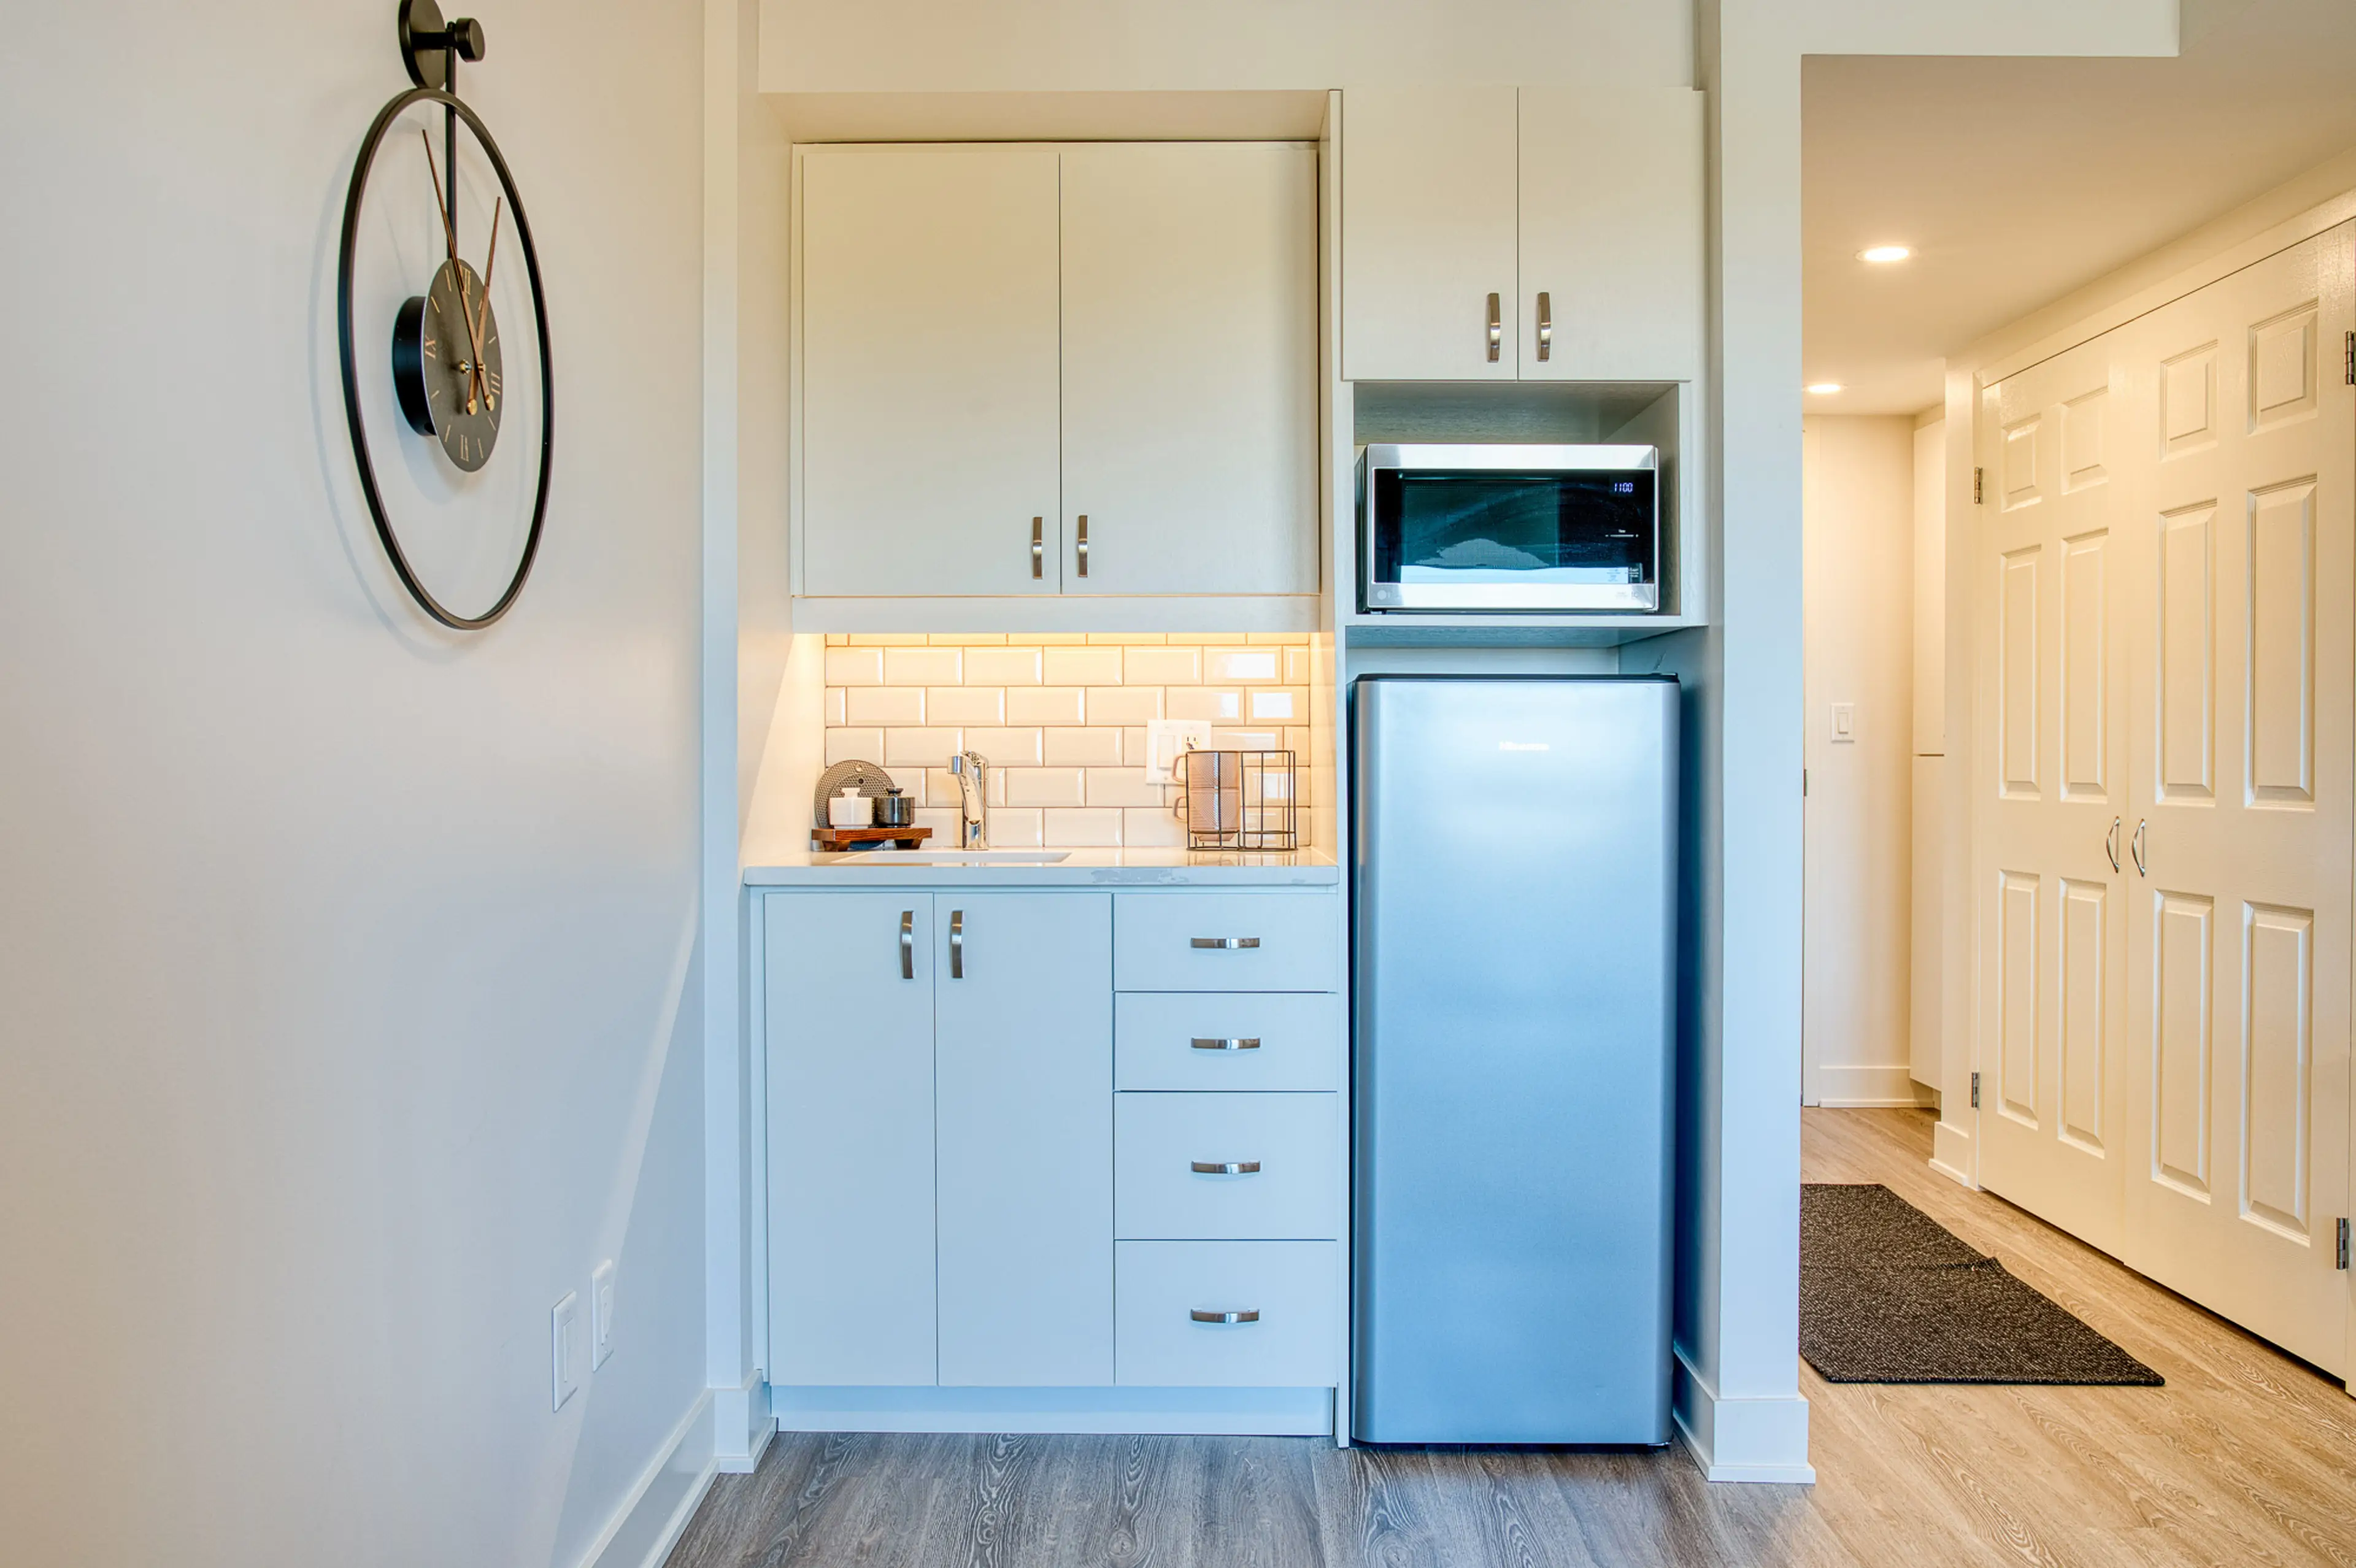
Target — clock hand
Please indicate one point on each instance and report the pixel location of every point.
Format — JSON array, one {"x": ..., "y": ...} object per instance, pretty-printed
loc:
[
  {"x": 442, "y": 210},
  {"x": 481, "y": 324}
]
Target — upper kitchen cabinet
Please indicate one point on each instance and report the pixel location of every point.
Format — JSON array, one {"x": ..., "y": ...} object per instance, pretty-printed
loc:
[
  {"x": 1532, "y": 234},
  {"x": 1428, "y": 235},
  {"x": 930, "y": 370},
  {"x": 1190, "y": 365},
  {"x": 1037, "y": 370}
]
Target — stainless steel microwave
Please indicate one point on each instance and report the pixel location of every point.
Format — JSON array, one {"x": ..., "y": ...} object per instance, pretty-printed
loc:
[{"x": 1490, "y": 529}]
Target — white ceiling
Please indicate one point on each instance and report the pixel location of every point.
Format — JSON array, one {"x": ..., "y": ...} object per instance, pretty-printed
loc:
[{"x": 2019, "y": 180}]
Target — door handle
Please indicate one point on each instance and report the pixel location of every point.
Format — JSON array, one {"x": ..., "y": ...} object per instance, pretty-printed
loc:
[
  {"x": 1038, "y": 548},
  {"x": 1202, "y": 1314},
  {"x": 1250, "y": 1043},
  {"x": 1228, "y": 944},
  {"x": 1546, "y": 325},
  {"x": 907, "y": 944},
  {"x": 2111, "y": 843},
  {"x": 1496, "y": 328},
  {"x": 956, "y": 945},
  {"x": 1084, "y": 544},
  {"x": 2135, "y": 847},
  {"x": 1224, "y": 1166}
]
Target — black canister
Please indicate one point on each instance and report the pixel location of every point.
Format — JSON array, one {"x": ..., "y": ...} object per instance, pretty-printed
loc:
[{"x": 894, "y": 809}]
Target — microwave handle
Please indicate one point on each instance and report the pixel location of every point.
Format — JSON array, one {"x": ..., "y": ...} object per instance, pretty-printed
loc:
[
  {"x": 1546, "y": 325},
  {"x": 1496, "y": 328}
]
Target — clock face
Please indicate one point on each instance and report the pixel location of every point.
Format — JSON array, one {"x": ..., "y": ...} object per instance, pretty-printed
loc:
[{"x": 445, "y": 365}]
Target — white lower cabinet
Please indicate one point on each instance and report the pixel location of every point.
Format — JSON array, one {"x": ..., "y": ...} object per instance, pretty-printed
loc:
[
  {"x": 1228, "y": 1314},
  {"x": 960, "y": 1196}
]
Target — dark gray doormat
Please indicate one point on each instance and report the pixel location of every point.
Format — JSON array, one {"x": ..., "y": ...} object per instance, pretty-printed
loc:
[{"x": 1889, "y": 1295}]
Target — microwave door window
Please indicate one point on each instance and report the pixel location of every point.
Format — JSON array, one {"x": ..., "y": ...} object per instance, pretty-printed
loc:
[{"x": 1470, "y": 529}]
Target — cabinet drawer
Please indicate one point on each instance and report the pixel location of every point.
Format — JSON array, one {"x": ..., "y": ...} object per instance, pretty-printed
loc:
[
  {"x": 1227, "y": 942},
  {"x": 1248, "y": 1039},
  {"x": 1294, "y": 1140},
  {"x": 1292, "y": 1288}
]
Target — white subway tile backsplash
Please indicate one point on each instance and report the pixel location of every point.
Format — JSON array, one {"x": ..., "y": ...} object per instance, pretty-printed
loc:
[
  {"x": 1297, "y": 666},
  {"x": 1162, "y": 667},
  {"x": 1084, "y": 666},
  {"x": 1242, "y": 664},
  {"x": 943, "y": 825},
  {"x": 1127, "y": 639},
  {"x": 837, "y": 708},
  {"x": 1122, "y": 786},
  {"x": 923, "y": 667},
  {"x": 1151, "y": 827},
  {"x": 1082, "y": 828},
  {"x": 1046, "y": 705},
  {"x": 910, "y": 781},
  {"x": 1299, "y": 639},
  {"x": 1124, "y": 704},
  {"x": 1076, "y": 748},
  {"x": 927, "y": 747},
  {"x": 968, "y": 639},
  {"x": 887, "y": 639},
  {"x": 882, "y": 705},
  {"x": 1002, "y": 666},
  {"x": 1247, "y": 740},
  {"x": 1276, "y": 707},
  {"x": 854, "y": 746},
  {"x": 1203, "y": 702},
  {"x": 1057, "y": 639},
  {"x": 1005, "y": 748},
  {"x": 1014, "y": 827},
  {"x": 941, "y": 788},
  {"x": 965, "y": 704},
  {"x": 1045, "y": 786},
  {"x": 855, "y": 667}
]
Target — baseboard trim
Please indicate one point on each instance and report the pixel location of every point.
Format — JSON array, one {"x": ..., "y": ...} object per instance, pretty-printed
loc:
[
  {"x": 1951, "y": 1153},
  {"x": 1741, "y": 1440},
  {"x": 741, "y": 1427},
  {"x": 1157, "y": 1412},
  {"x": 1852, "y": 1088},
  {"x": 650, "y": 1521}
]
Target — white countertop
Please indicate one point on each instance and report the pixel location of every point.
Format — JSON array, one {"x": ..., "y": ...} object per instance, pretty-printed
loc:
[{"x": 1081, "y": 868}]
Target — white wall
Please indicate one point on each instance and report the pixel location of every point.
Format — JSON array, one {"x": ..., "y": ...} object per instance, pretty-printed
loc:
[
  {"x": 1857, "y": 521},
  {"x": 342, "y": 961}
]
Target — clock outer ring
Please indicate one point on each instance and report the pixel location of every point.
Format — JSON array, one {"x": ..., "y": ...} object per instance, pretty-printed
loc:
[{"x": 361, "y": 166}]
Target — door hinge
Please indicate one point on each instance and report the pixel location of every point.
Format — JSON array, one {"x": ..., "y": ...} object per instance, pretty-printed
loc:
[
  {"x": 2344, "y": 1243},
  {"x": 2352, "y": 358},
  {"x": 1978, "y": 476},
  {"x": 1804, "y": 783},
  {"x": 1976, "y": 1091}
]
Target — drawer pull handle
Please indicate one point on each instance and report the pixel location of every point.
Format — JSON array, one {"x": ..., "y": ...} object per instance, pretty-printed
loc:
[
  {"x": 1224, "y": 943},
  {"x": 907, "y": 944},
  {"x": 1248, "y": 1042},
  {"x": 1225, "y": 1168},
  {"x": 1249, "y": 1315},
  {"x": 956, "y": 945}
]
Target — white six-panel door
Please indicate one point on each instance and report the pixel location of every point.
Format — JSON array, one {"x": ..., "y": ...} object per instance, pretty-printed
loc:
[
  {"x": 2170, "y": 638},
  {"x": 2052, "y": 909}
]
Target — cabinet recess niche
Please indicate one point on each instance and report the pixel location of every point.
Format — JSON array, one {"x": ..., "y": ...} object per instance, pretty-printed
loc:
[
  {"x": 1056, "y": 370},
  {"x": 1500, "y": 234}
]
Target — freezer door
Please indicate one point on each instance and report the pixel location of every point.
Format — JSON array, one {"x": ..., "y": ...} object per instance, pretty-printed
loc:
[{"x": 1515, "y": 978}]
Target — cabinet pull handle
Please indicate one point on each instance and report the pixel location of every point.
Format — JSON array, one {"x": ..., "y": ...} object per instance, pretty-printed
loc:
[
  {"x": 1546, "y": 325},
  {"x": 2111, "y": 843},
  {"x": 1203, "y": 1315},
  {"x": 2135, "y": 847},
  {"x": 1038, "y": 548},
  {"x": 1225, "y": 1167},
  {"x": 907, "y": 944},
  {"x": 1227, "y": 943},
  {"x": 956, "y": 945},
  {"x": 1249, "y": 1042},
  {"x": 1084, "y": 544},
  {"x": 1496, "y": 329}
]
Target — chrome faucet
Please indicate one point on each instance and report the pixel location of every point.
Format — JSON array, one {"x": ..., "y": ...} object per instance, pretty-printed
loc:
[{"x": 972, "y": 771}]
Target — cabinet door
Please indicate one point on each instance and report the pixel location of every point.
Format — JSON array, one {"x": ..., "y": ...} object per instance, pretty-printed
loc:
[
  {"x": 1190, "y": 359},
  {"x": 1024, "y": 1054},
  {"x": 1427, "y": 234},
  {"x": 1611, "y": 234},
  {"x": 928, "y": 370},
  {"x": 850, "y": 1137}
]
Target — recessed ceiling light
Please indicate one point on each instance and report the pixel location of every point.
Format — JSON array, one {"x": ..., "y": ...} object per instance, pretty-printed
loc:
[
  {"x": 1881, "y": 255},
  {"x": 1820, "y": 388}
]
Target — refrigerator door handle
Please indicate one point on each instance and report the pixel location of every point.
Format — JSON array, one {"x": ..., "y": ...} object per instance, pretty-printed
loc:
[{"x": 1227, "y": 944}]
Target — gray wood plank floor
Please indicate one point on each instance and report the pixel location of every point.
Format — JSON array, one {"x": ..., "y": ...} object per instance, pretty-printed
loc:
[{"x": 2248, "y": 1457}]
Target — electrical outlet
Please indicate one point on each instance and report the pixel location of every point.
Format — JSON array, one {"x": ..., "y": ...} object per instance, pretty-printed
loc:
[
  {"x": 565, "y": 1350},
  {"x": 1844, "y": 724},
  {"x": 1165, "y": 738},
  {"x": 601, "y": 1314}
]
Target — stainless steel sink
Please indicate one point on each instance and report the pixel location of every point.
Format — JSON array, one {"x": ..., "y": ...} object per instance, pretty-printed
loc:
[{"x": 957, "y": 857}]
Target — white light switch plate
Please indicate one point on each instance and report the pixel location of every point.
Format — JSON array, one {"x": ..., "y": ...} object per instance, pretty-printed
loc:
[
  {"x": 565, "y": 1350},
  {"x": 1165, "y": 738},
  {"x": 1845, "y": 723},
  {"x": 601, "y": 1314}
]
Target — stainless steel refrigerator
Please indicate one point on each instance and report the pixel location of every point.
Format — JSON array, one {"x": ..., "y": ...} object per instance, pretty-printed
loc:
[{"x": 1514, "y": 974}]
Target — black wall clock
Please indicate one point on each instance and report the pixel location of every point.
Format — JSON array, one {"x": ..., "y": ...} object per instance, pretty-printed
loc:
[{"x": 447, "y": 372}]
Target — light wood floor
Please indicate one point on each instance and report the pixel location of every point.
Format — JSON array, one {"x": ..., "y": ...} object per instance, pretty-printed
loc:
[{"x": 2246, "y": 1456}]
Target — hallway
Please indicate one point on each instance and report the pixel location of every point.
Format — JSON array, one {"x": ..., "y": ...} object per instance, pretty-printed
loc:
[{"x": 2243, "y": 1458}]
